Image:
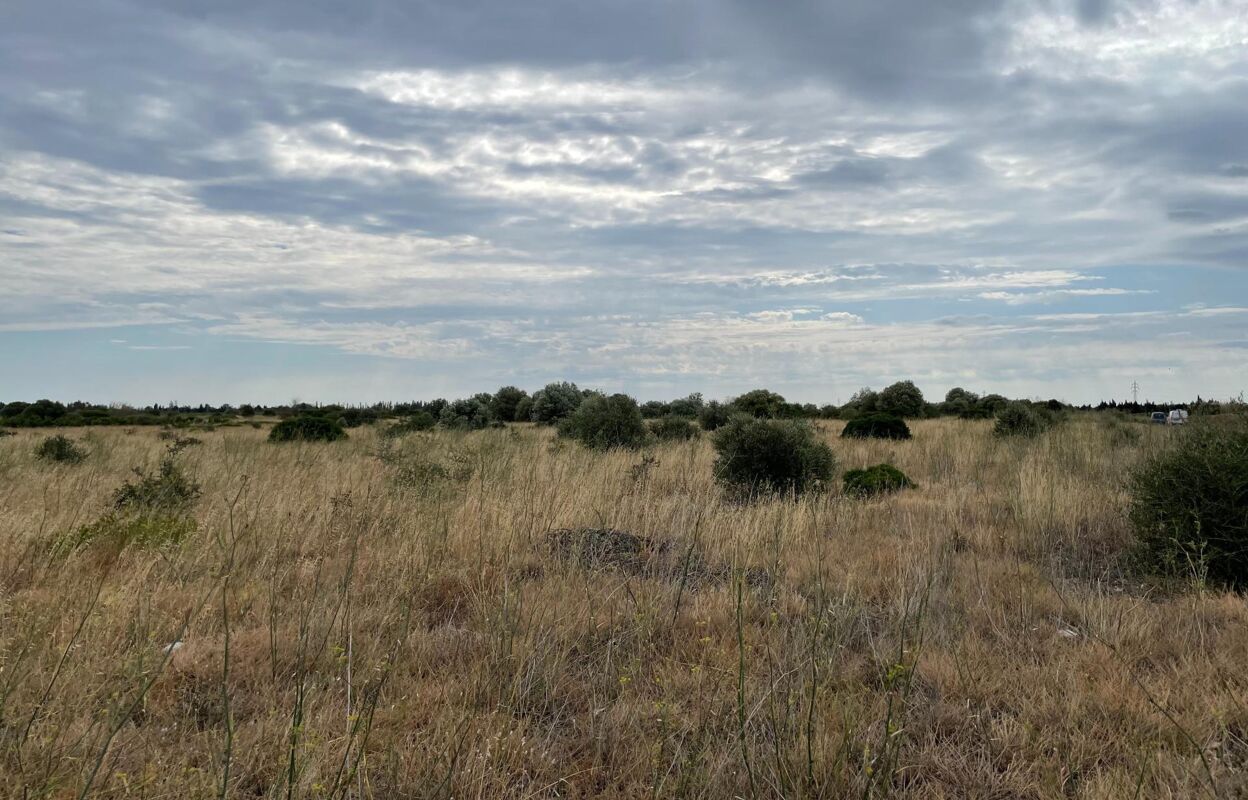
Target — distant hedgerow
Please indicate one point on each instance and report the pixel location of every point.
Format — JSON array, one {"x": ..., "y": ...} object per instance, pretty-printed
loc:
[
  {"x": 879, "y": 479},
  {"x": 771, "y": 455},
  {"x": 876, "y": 426},
  {"x": 307, "y": 429}
]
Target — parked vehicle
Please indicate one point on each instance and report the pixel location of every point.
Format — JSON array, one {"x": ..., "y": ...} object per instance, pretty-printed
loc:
[
  {"x": 1159, "y": 417},
  {"x": 1177, "y": 417}
]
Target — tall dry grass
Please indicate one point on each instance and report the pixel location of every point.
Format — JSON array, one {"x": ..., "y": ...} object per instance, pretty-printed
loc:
[{"x": 372, "y": 619}]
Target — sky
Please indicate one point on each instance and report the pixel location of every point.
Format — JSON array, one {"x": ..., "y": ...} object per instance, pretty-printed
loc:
[{"x": 236, "y": 201}]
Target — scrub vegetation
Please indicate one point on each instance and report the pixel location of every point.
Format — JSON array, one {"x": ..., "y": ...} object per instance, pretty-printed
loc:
[{"x": 433, "y": 608}]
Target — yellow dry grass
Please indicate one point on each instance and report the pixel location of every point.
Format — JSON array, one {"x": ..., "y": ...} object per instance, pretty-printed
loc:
[{"x": 353, "y": 626}]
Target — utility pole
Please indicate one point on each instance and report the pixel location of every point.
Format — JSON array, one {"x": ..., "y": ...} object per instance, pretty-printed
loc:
[{"x": 1135, "y": 392}]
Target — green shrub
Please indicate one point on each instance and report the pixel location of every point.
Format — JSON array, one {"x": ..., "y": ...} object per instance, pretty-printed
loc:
[
  {"x": 879, "y": 479},
  {"x": 152, "y": 511},
  {"x": 876, "y": 426},
  {"x": 167, "y": 490},
  {"x": 118, "y": 530},
  {"x": 755, "y": 455},
  {"x": 674, "y": 428},
  {"x": 653, "y": 409},
  {"x": 688, "y": 407},
  {"x": 1019, "y": 419},
  {"x": 471, "y": 414},
  {"x": 307, "y": 429},
  {"x": 604, "y": 423},
  {"x": 413, "y": 423},
  {"x": 61, "y": 449},
  {"x": 1189, "y": 505},
  {"x": 714, "y": 415}
]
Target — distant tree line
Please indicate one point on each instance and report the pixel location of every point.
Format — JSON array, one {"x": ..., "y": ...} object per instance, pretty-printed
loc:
[{"x": 557, "y": 401}]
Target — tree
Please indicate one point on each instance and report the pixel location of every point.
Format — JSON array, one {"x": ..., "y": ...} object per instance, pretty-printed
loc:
[
  {"x": 505, "y": 402},
  {"x": 653, "y": 409},
  {"x": 555, "y": 401},
  {"x": 760, "y": 404},
  {"x": 469, "y": 414},
  {"x": 864, "y": 401},
  {"x": 960, "y": 402},
  {"x": 714, "y": 415},
  {"x": 902, "y": 399},
  {"x": 524, "y": 410},
  {"x": 686, "y": 406}
]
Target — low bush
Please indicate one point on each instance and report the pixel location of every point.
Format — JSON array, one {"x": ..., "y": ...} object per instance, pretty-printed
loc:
[
  {"x": 167, "y": 490},
  {"x": 307, "y": 429},
  {"x": 1019, "y": 419},
  {"x": 674, "y": 429},
  {"x": 1189, "y": 505},
  {"x": 604, "y": 423},
  {"x": 879, "y": 479},
  {"x": 60, "y": 449},
  {"x": 755, "y": 455},
  {"x": 117, "y": 530},
  {"x": 876, "y": 426},
  {"x": 414, "y": 423},
  {"x": 152, "y": 511}
]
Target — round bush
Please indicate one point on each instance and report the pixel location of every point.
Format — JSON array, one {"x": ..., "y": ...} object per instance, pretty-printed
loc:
[
  {"x": 771, "y": 455},
  {"x": 876, "y": 426},
  {"x": 307, "y": 429},
  {"x": 604, "y": 423},
  {"x": 879, "y": 479},
  {"x": 61, "y": 449},
  {"x": 1018, "y": 419},
  {"x": 1189, "y": 505},
  {"x": 674, "y": 428}
]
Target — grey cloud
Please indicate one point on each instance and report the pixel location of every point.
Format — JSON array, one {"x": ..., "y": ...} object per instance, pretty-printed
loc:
[{"x": 622, "y": 151}]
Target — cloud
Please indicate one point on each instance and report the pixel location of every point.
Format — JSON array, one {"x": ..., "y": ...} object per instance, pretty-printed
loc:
[{"x": 707, "y": 189}]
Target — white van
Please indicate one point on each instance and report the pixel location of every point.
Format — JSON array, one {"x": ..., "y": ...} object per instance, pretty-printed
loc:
[{"x": 1177, "y": 417}]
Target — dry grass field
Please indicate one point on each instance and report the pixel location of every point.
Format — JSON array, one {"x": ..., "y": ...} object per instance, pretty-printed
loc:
[{"x": 398, "y": 619}]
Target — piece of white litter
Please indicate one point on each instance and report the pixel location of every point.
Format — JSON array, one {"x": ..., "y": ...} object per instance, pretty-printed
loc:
[{"x": 173, "y": 647}]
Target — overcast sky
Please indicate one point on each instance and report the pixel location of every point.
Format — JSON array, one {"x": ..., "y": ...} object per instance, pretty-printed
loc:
[{"x": 232, "y": 200}]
